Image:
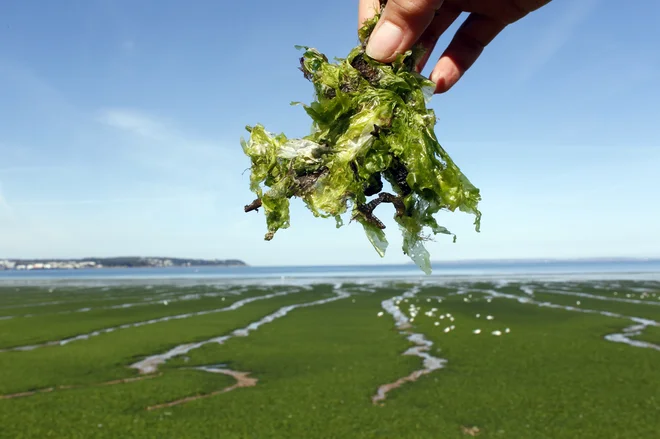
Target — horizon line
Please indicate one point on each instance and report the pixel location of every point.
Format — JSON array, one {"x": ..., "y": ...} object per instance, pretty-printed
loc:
[{"x": 436, "y": 262}]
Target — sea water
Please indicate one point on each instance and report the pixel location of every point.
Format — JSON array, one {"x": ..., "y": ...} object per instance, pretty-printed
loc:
[{"x": 632, "y": 269}]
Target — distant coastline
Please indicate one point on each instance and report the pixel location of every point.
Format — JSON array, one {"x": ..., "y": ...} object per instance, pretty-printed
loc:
[
  {"x": 114, "y": 262},
  {"x": 619, "y": 269},
  {"x": 165, "y": 262}
]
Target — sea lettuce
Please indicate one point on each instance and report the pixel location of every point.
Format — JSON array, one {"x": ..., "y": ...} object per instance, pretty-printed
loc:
[{"x": 370, "y": 124}]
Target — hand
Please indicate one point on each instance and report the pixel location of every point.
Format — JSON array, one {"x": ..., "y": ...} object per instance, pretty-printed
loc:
[{"x": 405, "y": 23}]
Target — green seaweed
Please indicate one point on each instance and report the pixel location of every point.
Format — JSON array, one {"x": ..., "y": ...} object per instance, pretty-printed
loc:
[{"x": 370, "y": 123}]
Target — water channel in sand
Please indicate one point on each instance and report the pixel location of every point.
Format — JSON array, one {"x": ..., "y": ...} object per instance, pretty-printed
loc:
[
  {"x": 604, "y": 298},
  {"x": 243, "y": 379},
  {"x": 432, "y": 363},
  {"x": 69, "y": 387},
  {"x": 623, "y": 337},
  {"x": 98, "y": 332},
  {"x": 423, "y": 345},
  {"x": 159, "y": 299},
  {"x": 148, "y": 367},
  {"x": 151, "y": 363}
]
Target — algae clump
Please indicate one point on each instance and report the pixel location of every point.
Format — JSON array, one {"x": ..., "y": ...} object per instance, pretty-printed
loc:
[{"x": 370, "y": 124}]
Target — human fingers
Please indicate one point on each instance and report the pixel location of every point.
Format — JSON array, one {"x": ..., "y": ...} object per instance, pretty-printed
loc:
[
  {"x": 444, "y": 18},
  {"x": 366, "y": 10},
  {"x": 401, "y": 24},
  {"x": 469, "y": 42}
]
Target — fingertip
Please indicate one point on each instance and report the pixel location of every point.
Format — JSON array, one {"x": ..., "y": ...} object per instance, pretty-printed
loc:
[
  {"x": 441, "y": 86},
  {"x": 469, "y": 42},
  {"x": 445, "y": 74}
]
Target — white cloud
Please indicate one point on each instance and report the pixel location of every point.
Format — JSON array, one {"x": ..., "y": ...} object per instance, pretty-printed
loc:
[
  {"x": 556, "y": 36},
  {"x": 180, "y": 165},
  {"x": 153, "y": 142},
  {"x": 136, "y": 123},
  {"x": 164, "y": 133}
]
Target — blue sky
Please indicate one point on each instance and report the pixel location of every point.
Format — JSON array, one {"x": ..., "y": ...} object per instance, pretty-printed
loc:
[{"x": 120, "y": 124}]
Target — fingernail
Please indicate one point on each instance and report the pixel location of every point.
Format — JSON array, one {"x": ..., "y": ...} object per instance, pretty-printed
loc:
[{"x": 384, "y": 42}]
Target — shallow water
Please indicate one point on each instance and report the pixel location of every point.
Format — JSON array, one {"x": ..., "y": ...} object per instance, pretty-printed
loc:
[
  {"x": 494, "y": 271},
  {"x": 634, "y": 331},
  {"x": 423, "y": 345}
]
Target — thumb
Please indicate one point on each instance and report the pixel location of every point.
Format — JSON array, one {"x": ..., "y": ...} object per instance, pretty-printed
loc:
[{"x": 400, "y": 26}]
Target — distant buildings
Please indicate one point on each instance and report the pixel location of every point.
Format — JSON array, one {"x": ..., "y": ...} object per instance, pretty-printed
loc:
[
  {"x": 156, "y": 262},
  {"x": 52, "y": 265},
  {"x": 7, "y": 265},
  {"x": 124, "y": 262}
]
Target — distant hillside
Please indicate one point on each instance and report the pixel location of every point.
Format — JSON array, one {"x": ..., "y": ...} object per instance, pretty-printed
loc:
[{"x": 130, "y": 261}]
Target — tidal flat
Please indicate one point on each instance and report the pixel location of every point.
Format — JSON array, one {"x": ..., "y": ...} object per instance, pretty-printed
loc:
[{"x": 330, "y": 358}]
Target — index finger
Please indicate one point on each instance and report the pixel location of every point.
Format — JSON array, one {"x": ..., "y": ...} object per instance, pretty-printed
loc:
[{"x": 366, "y": 10}]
